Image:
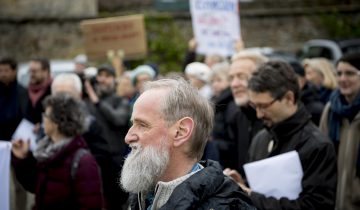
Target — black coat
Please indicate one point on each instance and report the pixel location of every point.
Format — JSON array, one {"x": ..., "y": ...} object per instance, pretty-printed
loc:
[
  {"x": 309, "y": 96},
  {"x": 243, "y": 126},
  {"x": 13, "y": 103},
  {"x": 317, "y": 156},
  {"x": 207, "y": 189}
]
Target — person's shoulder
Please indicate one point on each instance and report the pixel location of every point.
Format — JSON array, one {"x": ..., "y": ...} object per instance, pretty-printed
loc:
[{"x": 313, "y": 135}]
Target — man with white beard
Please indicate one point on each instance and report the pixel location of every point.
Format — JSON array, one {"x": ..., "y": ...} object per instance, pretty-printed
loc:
[
  {"x": 243, "y": 124},
  {"x": 171, "y": 124}
]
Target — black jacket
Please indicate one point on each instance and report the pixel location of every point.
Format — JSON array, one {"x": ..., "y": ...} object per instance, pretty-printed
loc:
[
  {"x": 309, "y": 96},
  {"x": 317, "y": 156},
  {"x": 13, "y": 103},
  {"x": 207, "y": 189},
  {"x": 243, "y": 126}
]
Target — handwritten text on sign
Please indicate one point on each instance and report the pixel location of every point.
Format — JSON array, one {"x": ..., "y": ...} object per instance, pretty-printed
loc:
[{"x": 216, "y": 25}]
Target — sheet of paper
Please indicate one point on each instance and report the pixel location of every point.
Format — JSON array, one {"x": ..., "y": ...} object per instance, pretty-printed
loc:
[
  {"x": 278, "y": 176},
  {"x": 5, "y": 151},
  {"x": 25, "y": 132}
]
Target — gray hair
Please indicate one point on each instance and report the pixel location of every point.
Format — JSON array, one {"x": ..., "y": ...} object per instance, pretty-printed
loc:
[
  {"x": 257, "y": 58},
  {"x": 220, "y": 69},
  {"x": 68, "y": 78},
  {"x": 183, "y": 100}
]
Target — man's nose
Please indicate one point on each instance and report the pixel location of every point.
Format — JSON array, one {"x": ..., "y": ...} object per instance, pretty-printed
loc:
[
  {"x": 130, "y": 136},
  {"x": 259, "y": 113}
]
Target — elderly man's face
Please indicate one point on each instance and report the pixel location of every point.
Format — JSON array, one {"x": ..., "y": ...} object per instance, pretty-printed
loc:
[
  {"x": 148, "y": 139},
  {"x": 239, "y": 75}
]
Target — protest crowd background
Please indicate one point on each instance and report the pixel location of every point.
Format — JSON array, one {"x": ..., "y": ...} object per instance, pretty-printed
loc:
[{"x": 279, "y": 84}]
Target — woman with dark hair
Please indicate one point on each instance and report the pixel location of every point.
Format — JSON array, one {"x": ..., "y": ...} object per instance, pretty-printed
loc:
[
  {"x": 66, "y": 176},
  {"x": 341, "y": 121}
]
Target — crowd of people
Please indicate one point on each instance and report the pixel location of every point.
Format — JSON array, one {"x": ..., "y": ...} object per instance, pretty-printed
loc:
[{"x": 110, "y": 138}]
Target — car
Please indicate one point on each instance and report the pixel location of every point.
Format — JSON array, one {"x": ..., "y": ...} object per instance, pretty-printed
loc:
[
  {"x": 56, "y": 67},
  {"x": 330, "y": 49}
]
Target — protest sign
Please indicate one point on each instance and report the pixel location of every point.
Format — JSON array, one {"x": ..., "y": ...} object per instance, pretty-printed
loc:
[
  {"x": 216, "y": 26},
  {"x": 125, "y": 33}
]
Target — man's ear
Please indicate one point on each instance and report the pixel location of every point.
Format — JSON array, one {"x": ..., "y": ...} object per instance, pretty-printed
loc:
[
  {"x": 183, "y": 131},
  {"x": 289, "y": 95}
]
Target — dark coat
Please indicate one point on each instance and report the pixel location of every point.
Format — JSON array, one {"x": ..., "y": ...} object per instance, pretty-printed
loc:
[
  {"x": 112, "y": 113},
  {"x": 53, "y": 185},
  {"x": 317, "y": 156},
  {"x": 220, "y": 135},
  {"x": 207, "y": 189},
  {"x": 13, "y": 103},
  {"x": 309, "y": 96},
  {"x": 243, "y": 126},
  {"x": 100, "y": 149}
]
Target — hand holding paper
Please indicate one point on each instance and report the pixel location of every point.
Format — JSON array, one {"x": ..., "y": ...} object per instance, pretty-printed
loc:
[
  {"x": 278, "y": 176},
  {"x": 25, "y": 132}
]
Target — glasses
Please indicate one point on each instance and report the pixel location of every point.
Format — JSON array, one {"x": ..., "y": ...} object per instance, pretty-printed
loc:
[
  {"x": 262, "y": 106},
  {"x": 347, "y": 73}
]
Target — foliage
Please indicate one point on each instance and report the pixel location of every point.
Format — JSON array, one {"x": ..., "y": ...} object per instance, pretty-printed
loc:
[
  {"x": 166, "y": 44},
  {"x": 341, "y": 26}
]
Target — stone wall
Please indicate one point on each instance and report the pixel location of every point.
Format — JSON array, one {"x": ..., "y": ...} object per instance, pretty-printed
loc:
[{"x": 52, "y": 29}]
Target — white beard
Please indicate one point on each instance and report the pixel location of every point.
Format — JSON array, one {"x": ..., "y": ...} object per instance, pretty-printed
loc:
[
  {"x": 242, "y": 101},
  {"x": 143, "y": 167}
]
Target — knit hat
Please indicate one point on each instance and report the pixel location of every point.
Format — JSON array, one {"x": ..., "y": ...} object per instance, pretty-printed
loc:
[
  {"x": 199, "y": 70},
  {"x": 107, "y": 69},
  {"x": 142, "y": 69}
]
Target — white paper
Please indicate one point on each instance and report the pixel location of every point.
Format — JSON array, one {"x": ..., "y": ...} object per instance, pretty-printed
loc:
[
  {"x": 278, "y": 176},
  {"x": 5, "y": 151},
  {"x": 25, "y": 132},
  {"x": 216, "y": 26}
]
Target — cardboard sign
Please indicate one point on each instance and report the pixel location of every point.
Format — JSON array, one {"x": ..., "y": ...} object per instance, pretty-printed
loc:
[
  {"x": 125, "y": 33},
  {"x": 216, "y": 26}
]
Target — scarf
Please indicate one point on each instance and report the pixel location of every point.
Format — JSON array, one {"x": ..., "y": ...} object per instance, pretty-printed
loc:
[
  {"x": 35, "y": 91},
  {"x": 341, "y": 109},
  {"x": 47, "y": 149}
]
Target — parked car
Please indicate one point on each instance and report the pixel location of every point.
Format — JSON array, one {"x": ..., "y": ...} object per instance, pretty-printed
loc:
[
  {"x": 330, "y": 49},
  {"x": 56, "y": 66}
]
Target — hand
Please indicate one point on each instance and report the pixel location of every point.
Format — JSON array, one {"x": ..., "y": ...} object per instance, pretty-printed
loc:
[
  {"x": 20, "y": 148},
  {"x": 192, "y": 44},
  {"x": 91, "y": 92},
  {"x": 239, "y": 45},
  {"x": 236, "y": 176}
]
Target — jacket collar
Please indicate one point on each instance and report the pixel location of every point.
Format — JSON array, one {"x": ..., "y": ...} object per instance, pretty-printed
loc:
[{"x": 287, "y": 128}]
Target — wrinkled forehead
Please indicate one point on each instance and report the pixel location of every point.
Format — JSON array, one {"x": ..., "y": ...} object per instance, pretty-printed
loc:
[
  {"x": 150, "y": 101},
  {"x": 242, "y": 65}
]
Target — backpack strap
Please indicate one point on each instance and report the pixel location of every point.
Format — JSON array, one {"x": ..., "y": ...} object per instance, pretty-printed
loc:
[{"x": 76, "y": 161}]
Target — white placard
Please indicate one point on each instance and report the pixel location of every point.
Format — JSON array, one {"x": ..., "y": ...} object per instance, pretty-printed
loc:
[
  {"x": 25, "y": 131},
  {"x": 216, "y": 26},
  {"x": 278, "y": 176},
  {"x": 5, "y": 151}
]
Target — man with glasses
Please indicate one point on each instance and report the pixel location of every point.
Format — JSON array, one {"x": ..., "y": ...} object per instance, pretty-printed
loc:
[
  {"x": 274, "y": 94},
  {"x": 341, "y": 121}
]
